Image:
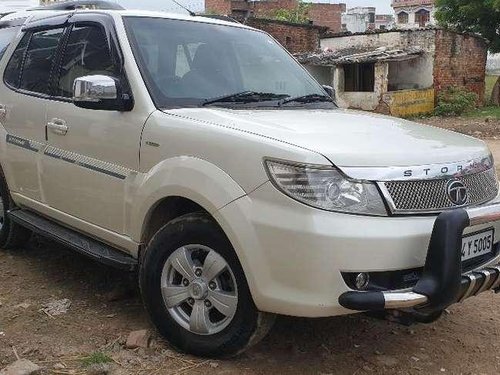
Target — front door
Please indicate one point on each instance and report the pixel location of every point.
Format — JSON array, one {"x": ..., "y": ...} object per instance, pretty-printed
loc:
[{"x": 92, "y": 155}]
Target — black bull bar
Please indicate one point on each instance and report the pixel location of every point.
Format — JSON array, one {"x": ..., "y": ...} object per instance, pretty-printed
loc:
[{"x": 442, "y": 283}]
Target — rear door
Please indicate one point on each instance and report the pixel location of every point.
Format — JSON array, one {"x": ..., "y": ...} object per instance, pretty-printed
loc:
[{"x": 23, "y": 104}]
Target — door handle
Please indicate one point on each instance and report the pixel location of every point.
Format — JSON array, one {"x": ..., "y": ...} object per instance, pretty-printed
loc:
[{"x": 58, "y": 126}]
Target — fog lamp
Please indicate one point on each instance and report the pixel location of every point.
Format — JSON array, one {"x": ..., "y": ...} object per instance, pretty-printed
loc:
[{"x": 361, "y": 281}]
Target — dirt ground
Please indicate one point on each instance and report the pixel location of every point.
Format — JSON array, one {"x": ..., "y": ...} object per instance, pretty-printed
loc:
[{"x": 105, "y": 308}]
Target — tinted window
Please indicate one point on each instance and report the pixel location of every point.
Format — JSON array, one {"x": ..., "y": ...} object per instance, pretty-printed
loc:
[
  {"x": 39, "y": 59},
  {"x": 6, "y": 36},
  {"x": 87, "y": 53},
  {"x": 13, "y": 70}
]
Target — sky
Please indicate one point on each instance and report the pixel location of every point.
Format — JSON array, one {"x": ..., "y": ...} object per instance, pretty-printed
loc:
[{"x": 383, "y": 6}]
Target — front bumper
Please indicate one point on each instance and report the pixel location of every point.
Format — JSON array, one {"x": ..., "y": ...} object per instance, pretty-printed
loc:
[
  {"x": 294, "y": 256},
  {"x": 442, "y": 282}
]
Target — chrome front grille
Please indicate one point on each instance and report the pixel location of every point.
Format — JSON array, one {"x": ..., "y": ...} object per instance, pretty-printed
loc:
[{"x": 432, "y": 196}]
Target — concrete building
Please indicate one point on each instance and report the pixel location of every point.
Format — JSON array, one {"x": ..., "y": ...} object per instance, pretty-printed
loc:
[
  {"x": 324, "y": 14},
  {"x": 359, "y": 19},
  {"x": 414, "y": 13},
  {"x": 398, "y": 72}
]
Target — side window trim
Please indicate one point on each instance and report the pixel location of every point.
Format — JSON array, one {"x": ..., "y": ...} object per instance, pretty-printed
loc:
[
  {"x": 56, "y": 68},
  {"x": 30, "y": 32}
]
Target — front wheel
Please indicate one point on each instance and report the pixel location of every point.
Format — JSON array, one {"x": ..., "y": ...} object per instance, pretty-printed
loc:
[{"x": 195, "y": 290}]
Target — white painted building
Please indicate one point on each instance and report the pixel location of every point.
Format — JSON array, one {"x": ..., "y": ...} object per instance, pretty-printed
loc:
[
  {"x": 359, "y": 19},
  {"x": 7, "y": 6},
  {"x": 414, "y": 13}
]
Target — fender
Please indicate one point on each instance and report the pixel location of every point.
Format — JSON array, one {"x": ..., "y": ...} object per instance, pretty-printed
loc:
[{"x": 187, "y": 177}]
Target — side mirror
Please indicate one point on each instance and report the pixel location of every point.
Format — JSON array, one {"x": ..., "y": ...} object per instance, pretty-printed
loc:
[
  {"x": 330, "y": 91},
  {"x": 99, "y": 92}
]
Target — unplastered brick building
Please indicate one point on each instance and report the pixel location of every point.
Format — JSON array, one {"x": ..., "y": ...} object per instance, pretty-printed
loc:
[
  {"x": 327, "y": 15},
  {"x": 296, "y": 38},
  {"x": 398, "y": 72}
]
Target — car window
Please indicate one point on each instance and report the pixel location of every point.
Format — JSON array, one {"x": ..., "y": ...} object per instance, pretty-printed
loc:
[
  {"x": 87, "y": 53},
  {"x": 6, "y": 37},
  {"x": 39, "y": 59},
  {"x": 13, "y": 69}
]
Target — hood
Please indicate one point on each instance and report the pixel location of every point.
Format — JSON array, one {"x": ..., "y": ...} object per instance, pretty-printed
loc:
[{"x": 349, "y": 138}]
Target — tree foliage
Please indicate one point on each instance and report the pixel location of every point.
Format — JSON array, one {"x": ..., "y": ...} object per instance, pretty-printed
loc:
[
  {"x": 477, "y": 16},
  {"x": 300, "y": 14}
]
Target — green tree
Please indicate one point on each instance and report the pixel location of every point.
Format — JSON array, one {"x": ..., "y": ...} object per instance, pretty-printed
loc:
[
  {"x": 300, "y": 14},
  {"x": 477, "y": 16}
]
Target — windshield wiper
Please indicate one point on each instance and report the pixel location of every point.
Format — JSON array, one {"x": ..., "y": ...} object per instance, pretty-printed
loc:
[
  {"x": 245, "y": 97},
  {"x": 311, "y": 98}
]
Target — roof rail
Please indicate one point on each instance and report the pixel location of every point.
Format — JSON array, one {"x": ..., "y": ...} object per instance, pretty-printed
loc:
[{"x": 79, "y": 4}]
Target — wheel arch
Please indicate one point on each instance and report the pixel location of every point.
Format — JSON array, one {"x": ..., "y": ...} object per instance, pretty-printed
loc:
[
  {"x": 164, "y": 211},
  {"x": 176, "y": 187}
]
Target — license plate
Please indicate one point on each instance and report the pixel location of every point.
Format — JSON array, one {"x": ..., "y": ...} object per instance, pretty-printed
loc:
[{"x": 477, "y": 244}]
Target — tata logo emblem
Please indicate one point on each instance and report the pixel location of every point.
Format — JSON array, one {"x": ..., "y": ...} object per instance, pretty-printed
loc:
[{"x": 457, "y": 192}]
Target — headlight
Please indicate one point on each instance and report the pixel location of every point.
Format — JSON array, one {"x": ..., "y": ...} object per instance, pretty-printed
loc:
[{"x": 326, "y": 188}]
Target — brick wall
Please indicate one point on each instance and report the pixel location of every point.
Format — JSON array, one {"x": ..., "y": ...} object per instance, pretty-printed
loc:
[
  {"x": 261, "y": 9},
  {"x": 223, "y": 7},
  {"x": 460, "y": 61},
  {"x": 328, "y": 15},
  {"x": 294, "y": 37}
]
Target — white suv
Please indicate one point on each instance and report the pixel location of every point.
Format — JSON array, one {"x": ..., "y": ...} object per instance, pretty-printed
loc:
[{"x": 199, "y": 152}]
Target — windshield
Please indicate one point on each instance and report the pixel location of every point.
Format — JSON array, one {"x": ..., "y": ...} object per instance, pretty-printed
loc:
[{"x": 187, "y": 64}]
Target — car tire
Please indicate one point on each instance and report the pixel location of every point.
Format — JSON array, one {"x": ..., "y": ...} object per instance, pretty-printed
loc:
[
  {"x": 196, "y": 245},
  {"x": 12, "y": 235}
]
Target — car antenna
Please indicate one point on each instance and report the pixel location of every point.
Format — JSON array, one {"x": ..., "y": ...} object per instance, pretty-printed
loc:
[{"x": 191, "y": 13}]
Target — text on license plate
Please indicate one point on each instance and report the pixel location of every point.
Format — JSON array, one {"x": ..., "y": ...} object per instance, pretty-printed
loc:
[{"x": 477, "y": 244}]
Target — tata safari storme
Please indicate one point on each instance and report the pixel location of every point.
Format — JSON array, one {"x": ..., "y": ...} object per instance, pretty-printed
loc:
[{"x": 200, "y": 153}]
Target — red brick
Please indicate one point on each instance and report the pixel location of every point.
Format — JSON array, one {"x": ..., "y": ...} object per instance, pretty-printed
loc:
[
  {"x": 460, "y": 61},
  {"x": 294, "y": 37},
  {"x": 327, "y": 15}
]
